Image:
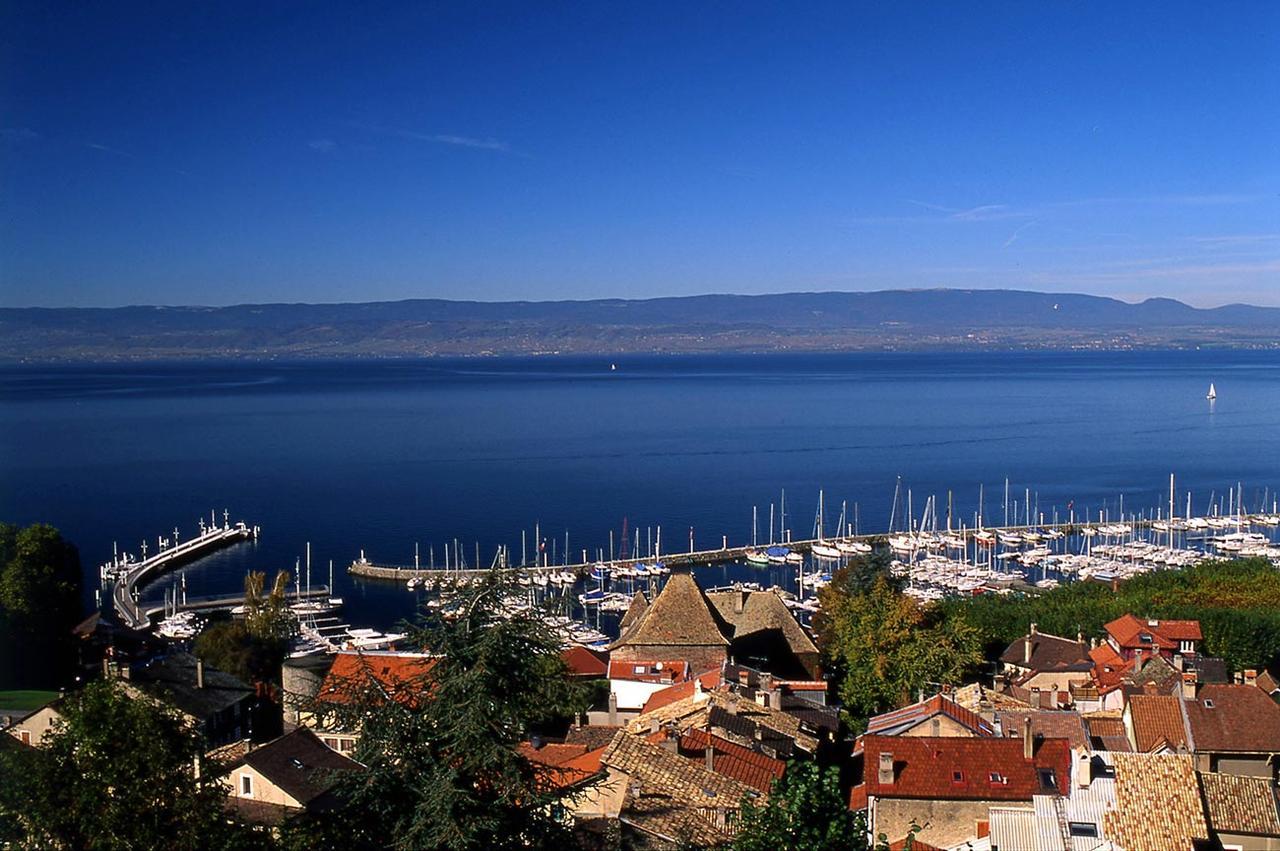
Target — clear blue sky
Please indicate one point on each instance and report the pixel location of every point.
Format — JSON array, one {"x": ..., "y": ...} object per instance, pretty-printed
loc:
[{"x": 215, "y": 153}]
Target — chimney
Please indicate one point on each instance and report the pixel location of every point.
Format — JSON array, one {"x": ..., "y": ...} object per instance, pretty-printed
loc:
[
  {"x": 125, "y": 671},
  {"x": 1250, "y": 676},
  {"x": 1028, "y": 744},
  {"x": 1026, "y": 647},
  {"x": 199, "y": 673},
  {"x": 738, "y": 598},
  {"x": 106, "y": 668},
  {"x": 758, "y": 733},
  {"x": 1084, "y": 769},
  {"x": 1093, "y": 643},
  {"x": 1190, "y": 682},
  {"x": 744, "y": 677},
  {"x": 1137, "y": 659},
  {"x": 884, "y": 773},
  {"x": 613, "y": 709},
  {"x": 697, "y": 687},
  {"x": 1178, "y": 662},
  {"x": 655, "y": 726},
  {"x": 1079, "y": 637},
  {"x": 710, "y": 754},
  {"x": 1033, "y": 628},
  {"x": 577, "y": 720},
  {"x": 762, "y": 698}
]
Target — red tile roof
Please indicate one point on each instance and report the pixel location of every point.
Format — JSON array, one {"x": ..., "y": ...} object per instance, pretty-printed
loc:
[
  {"x": 648, "y": 672},
  {"x": 357, "y": 675},
  {"x": 1157, "y": 721},
  {"x": 670, "y": 694},
  {"x": 733, "y": 760},
  {"x": 584, "y": 662},
  {"x": 941, "y": 768},
  {"x": 1233, "y": 719},
  {"x": 1128, "y": 630},
  {"x": 892, "y": 723},
  {"x": 1109, "y": 667},
  {"x": 562, "y": 765}
]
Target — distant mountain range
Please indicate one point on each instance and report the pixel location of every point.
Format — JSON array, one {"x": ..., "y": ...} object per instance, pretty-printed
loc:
[{"x": 832, "y": 321}]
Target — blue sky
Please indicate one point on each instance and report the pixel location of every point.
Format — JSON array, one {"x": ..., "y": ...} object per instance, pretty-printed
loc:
[{"x": 185, "y": 153}]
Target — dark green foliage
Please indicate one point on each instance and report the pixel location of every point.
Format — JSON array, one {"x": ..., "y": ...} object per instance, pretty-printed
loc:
[
  {"x": 252, "y": 648},
  {"x": 40, "y": 584},
  {"x": 805, "y": 812},
  {"x": 882, "y": 647},
  {"x": 444, "y": 770},
  {"x": 117, "y": 772},
  {"x": 1236, "y": 602}
]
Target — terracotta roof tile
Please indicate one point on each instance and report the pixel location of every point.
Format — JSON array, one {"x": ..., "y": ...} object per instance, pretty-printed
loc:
[
  {"x": 1157, "y": 721},
  {"x": 1049, "y": 653},
  {"x": 593, "y": 736},
  {"x": 1128, "y": 630},
  {"x": 679, "y": 616},
  {"x": 679, "y": 691},
  {"x": 733, "y": 760},
  {"x": 672, "y": 796},
  {"x": 585, "y": 662},
  {"x": 355, "y": 674},
  {"x": 1157, "y": 803},
  {"x": 944, "y": 768},
  {"x": 1241, "y": 804},
  {"x": 899, "y": 720},
  {"x": 1233, "y": 718},
  {"x": 648, "y": 671},
  {"x": 1047, "y": 724}
]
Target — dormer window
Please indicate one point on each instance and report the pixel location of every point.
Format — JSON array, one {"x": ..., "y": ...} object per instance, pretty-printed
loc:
[
  {"x": 1144, "y": 637},
  {"x": 957, "y": 776},
  {"x": 996, "y": 778},
  {"x": 1048, "y": 779}
]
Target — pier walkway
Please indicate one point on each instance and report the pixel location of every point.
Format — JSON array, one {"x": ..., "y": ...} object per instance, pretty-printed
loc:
[
  {"x": 124, "y": 595},
  {"x": 691, "y": 558}
]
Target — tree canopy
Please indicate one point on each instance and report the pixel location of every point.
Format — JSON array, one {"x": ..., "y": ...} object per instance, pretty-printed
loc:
[
  {"x": 40, "y": 586},
  {"x": 805, "y": 811},
  {"x": 883, "y": 646},
  {"x": 1236, "y": 602},
  {"x": 115, "y": 772},
  {"x": 444, "y": 767}
]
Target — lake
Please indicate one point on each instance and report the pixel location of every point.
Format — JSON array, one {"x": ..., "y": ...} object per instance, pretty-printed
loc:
[{"x": 380, "y": 455}]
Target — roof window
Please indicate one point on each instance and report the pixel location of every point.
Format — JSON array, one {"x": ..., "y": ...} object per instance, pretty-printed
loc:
[
  {"x": 1085, "y": 829},
  {"x": 1048, "y": 779},
  {"x": 1208, "y": 703},
  {"x": 957, "y": 776}
]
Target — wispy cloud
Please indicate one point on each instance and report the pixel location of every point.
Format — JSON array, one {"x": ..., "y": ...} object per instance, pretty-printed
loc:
[
  {"x": 474, "y": 142},
  {"x": 323, "y": 146},
  {"x": 107, "y": 149},
  {"x": 1239, "y": 240},
  {"x": 980, "y": 213},
  {"x": 1017, "y": 233},
  {"x": 18, "y": 135}
]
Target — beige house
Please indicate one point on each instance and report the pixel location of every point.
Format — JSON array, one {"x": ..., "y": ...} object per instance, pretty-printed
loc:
[
  {"x": 33, "y": 727},
  {"x": 288, "y": 775}
]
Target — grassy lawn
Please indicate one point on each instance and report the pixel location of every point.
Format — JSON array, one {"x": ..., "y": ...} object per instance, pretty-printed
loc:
[{"x": 25, "y": 699}]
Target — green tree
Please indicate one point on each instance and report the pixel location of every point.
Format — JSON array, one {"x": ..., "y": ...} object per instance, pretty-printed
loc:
[
  {"x": 40, "y": 585},
  {"x": 252, "y": 648},
  {"x": 805, "y": 811},
  {"x": 444, "y": 770},
  {"x": 116, "y": 773},
  {"x": 883, "y": 647}
]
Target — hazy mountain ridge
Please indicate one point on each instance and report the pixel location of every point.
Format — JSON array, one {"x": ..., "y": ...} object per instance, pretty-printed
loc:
[{"x": 889, "y": 319}]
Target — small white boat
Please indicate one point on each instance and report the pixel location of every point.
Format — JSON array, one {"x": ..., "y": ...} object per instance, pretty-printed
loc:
[
  {"x": 1213, "y": 392},
  {"x": 824, "y": 550},
  {"x": 757, "y": 557}
]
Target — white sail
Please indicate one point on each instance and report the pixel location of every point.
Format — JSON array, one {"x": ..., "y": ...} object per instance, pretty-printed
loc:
[{"x": 1213, "y": 393}]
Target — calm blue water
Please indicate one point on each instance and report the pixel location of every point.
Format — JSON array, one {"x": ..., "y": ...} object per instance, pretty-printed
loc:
[{"x": 378, "y": 456}]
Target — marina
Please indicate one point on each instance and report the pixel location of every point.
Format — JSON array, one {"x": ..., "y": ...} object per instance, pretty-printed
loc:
[{"x": 128, "y": 573}]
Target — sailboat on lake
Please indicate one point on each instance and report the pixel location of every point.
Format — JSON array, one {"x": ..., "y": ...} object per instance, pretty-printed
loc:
[{"x": 1213, "y": 392}]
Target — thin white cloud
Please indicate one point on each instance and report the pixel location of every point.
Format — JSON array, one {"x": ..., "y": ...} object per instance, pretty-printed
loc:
[
  {"x": 18, "y": 135},
  {"x": 107, "y": 149},
  {"x": 323, "y": 146},
  {"x": 474, "y": 142},
  {"x": 1017, "y": 233}
]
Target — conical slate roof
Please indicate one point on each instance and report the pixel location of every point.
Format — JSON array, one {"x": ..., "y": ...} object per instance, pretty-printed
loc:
[
  {"x": 679, "y": 616},
  {"x": 630, "y": 620}
]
